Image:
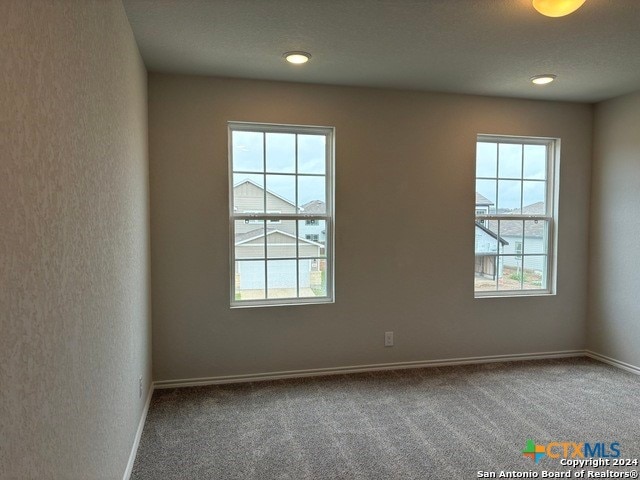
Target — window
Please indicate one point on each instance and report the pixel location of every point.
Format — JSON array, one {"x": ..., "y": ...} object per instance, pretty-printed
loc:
[
  {"x": 518, "y": 250},
  {"x": 515, "y": 220},
  {"x": 281, "y": 182}
]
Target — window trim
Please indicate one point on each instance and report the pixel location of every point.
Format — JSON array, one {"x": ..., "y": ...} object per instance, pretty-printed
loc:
[
  {"x": 328, "y": 216},
  {"x": 552, "y": 180}
]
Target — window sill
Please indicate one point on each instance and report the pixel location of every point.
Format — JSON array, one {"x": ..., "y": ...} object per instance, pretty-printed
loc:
[
  {"x": 541, "y": 293},
  {"x": 284, "y": 302}
]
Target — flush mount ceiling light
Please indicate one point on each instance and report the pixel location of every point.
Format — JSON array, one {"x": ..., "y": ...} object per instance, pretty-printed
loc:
[
  {"x": 297, "y": 58},
  {"x": 543, "y": 79},
  {"x": 557, "y": 8}
]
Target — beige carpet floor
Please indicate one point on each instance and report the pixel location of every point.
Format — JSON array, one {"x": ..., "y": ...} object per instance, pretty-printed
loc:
[{"x": 440, "y": 423}]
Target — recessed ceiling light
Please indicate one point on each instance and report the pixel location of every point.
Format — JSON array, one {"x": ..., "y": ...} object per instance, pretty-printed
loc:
[
  {"x": 297, "y": 58},
  {"x": 557, "y": 8},
  {"x": 543, "y": 79}
]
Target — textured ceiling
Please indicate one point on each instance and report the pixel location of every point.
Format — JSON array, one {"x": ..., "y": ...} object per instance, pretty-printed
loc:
[{"x": 488, "y": 47}]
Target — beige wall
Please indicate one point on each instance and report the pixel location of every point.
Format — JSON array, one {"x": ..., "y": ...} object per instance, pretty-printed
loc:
[
  {"x": 74, "y": 268},
  {"x": 404, "y": 162},
  {"x": 614, "y": 310}
]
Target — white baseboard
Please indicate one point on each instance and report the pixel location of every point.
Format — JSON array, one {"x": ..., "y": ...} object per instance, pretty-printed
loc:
[
  {"x": 190, "y": 382},
  {"x": 612, "y": 361},
  {"x": 136, "y": 440}
]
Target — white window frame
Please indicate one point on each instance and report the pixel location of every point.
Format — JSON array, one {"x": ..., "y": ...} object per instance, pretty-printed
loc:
[
  {"x": 258, "y": 222},
  {"x": 271, "y": 217},
  {"x": 550, "y": 216}
]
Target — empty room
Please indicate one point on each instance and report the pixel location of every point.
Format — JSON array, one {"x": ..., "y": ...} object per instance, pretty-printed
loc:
[{"x": 319, "y": 239}]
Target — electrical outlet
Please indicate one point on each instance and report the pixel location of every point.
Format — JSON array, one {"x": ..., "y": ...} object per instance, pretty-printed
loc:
[
  {"x": 140, "y": 387},
  {"x": 388, "y": 339}
]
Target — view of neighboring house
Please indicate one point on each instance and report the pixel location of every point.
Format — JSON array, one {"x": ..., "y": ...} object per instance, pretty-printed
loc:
[
  {"x": 513, "y": 237},
  {"x": 534, "y": 238},
  {"x": 281, "y": 243},
  {"x": 249, "y": 197},
  {"x": 314, "y": 230},
  {"x": 486, "y": 242},
  {"x": 486, "y": 252},
  {"x": 482, "y": 204}
]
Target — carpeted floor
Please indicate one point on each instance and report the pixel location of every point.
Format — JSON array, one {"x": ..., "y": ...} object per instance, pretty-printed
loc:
[{"x": 439, "y": 423}]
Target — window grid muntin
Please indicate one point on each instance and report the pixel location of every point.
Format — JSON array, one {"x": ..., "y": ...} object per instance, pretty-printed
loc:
[{"x": 327, "y": 217}]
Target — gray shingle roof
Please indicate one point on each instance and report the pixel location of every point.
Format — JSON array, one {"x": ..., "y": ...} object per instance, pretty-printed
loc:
[
  {"x": 513, "y": 228},
  {"x": 534, "y": 209},
  {"x": 314, "y": 206},
  {"x": 481, "y": 200},
  {"x": 532, "y": 228}
]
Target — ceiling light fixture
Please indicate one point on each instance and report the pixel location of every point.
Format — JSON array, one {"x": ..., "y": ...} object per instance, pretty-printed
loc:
[
  {"x": 297, "y": 58},
  {"x": 543, "y": 79},
  {"x": 557, "y": 8}
]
